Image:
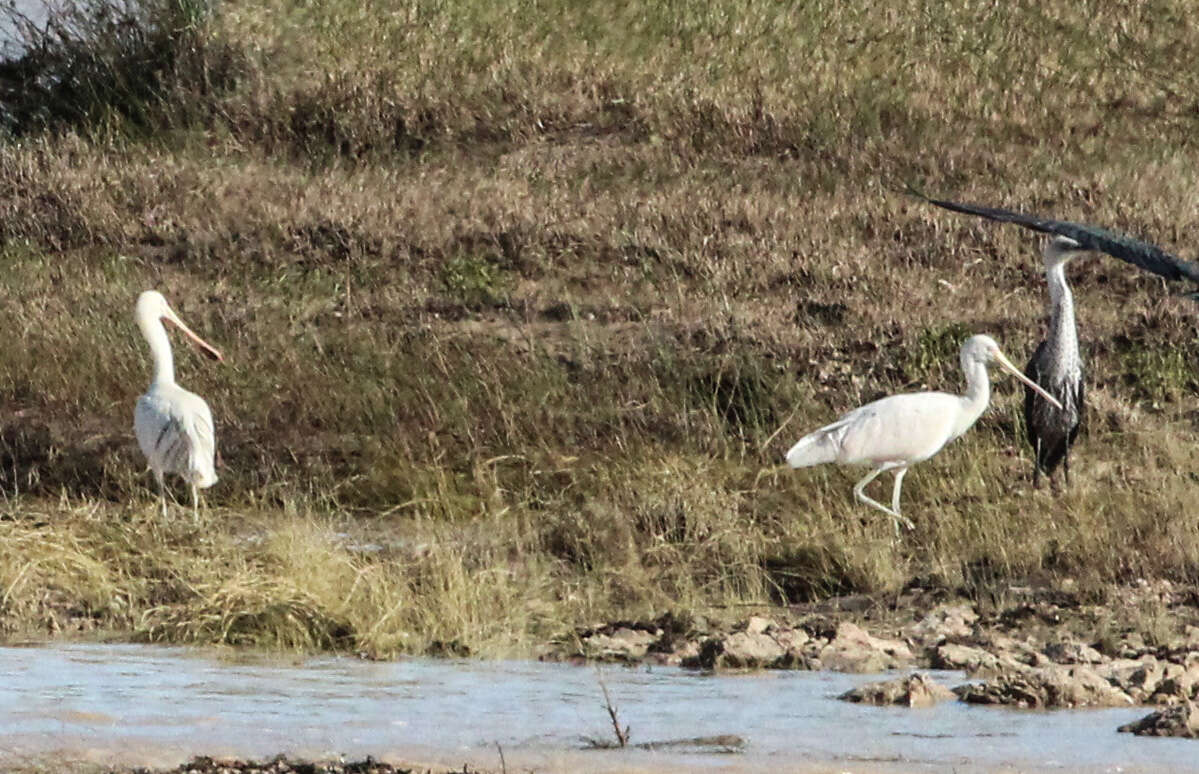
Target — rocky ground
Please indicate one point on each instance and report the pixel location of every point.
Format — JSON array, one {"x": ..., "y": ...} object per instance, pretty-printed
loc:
[
  {"x": 284, "y": 765},
  {"x": 1040, "y": 649}
]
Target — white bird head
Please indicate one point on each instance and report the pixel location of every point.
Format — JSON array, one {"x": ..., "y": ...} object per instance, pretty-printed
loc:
[
  {"x": 982, "y": 349},
  {"x": 152, "y": 306},
  {"x": 1060, "y": 250}
]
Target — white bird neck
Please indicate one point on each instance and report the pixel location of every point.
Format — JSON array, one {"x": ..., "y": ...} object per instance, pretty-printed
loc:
[
  {"x": 977, "y": 397},
  {"x": 1062, "y": 331},
  {"x": 155, "y": 334}
]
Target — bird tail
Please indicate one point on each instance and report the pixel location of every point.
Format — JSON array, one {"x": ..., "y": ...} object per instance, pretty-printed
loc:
[
  {"x": 203, "y": 475},
  {"x": 205, "y": 478},
  {"x": 815, "y": 448}
]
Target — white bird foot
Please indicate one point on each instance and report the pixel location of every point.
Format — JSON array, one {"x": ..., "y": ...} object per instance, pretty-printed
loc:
[
  {"x": 895, "y": 515},
  {"x": 898, "y": 518}
]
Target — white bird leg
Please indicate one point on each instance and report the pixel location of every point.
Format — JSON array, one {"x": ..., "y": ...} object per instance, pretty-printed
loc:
[
  {"x": 162, "y": 492},
  {"x": 899, "y": 474},
  {"x": 195, "y": 505},
  {"x": 863, "y": 497}
]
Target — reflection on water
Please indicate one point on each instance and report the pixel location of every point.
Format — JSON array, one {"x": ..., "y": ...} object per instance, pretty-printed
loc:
[{"x": 119, "y": 697}]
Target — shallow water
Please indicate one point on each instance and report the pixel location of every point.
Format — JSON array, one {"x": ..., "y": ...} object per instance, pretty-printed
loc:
[{"x": 118, "y": 702}]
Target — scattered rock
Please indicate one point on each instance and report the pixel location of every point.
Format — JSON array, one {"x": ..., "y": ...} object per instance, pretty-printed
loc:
[
  {"x": 1187, "y": 642},
  {"x": 620, "y": 644},
  {"x": 1049, "y": 687},
  {"x": 1023, "y": 656},
  {"x": 1177, "y": 684},
  {"x": 792, "y": 640},
  {"x": 740, "y": 650},
  {"x": 1139, "y": 679},
  {"x": 1179, "y": 720},
  {"x": 1073, "y": 653},
  {"x": 945, "y": 623},
  {"x": 854, "y": 650},
  {"x": 1011, "y": 690},
  {"x": 283, "y": 765},
  {"x": 751, "y": 650},
  {"x": 758, "y": 625},
  {"x": 708, "y": 655},
  {"x": 967, "y": 658},
  {"x": 763, "y": 644},
  {"x": 684, "y": 655},
  {"x": 1132, "y": 646},
  {"x": 819, "y": 627},
  {"x": 721, "y": 743},
  {"x": 915, "y": 690}
]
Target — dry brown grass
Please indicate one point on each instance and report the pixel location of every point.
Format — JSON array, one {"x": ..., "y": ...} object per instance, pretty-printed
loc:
[{"x": 521, "y": 297}]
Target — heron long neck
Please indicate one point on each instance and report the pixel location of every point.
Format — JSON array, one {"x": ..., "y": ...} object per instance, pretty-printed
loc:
[
  {"x": 1062, "y": 342},
  {"x": 155, "y": 334},
  {"x": 978, "y": 395}
]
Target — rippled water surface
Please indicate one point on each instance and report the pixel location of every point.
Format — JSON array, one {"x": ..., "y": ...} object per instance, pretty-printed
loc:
[{"x": 116, "y": 700}]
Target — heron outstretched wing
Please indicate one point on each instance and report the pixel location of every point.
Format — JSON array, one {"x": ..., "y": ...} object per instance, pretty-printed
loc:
[{"x": 1148, "y": 257}]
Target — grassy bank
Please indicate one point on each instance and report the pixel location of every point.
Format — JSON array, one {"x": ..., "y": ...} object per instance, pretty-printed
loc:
[{"x": 514, "y": 297}]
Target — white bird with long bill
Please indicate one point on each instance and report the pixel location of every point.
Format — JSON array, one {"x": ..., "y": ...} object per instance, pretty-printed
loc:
[
  {"x": 173, "y": 426},
  {"x": 896, "y": 432}
]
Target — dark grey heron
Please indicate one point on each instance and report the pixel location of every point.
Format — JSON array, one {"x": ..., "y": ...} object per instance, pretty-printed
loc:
[{"x": 1056, "y": 365}]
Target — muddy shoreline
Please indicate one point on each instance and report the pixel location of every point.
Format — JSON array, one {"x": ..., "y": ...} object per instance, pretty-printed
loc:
[
  {"x": 1034, "y": 648},
  {"x": 281, "y": 764}
]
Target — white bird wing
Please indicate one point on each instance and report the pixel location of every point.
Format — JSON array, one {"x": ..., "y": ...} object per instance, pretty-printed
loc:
[
  {"x": 204, "y": 446},
  {"x": 175, "y": 431},
  {"x": 821, "y": 446},
  {"x": 900, "y": 428},
  {"x": 904, "y": 428}
]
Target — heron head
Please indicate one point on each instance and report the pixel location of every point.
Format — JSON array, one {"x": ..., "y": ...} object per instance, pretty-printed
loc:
[{"x": 1061, "y": 249}]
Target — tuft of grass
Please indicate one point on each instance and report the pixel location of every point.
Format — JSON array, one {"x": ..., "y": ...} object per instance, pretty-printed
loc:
[
  {"x": 474, "y": 281},
  {"x": 112, "y": 65},
  {"x": 934, "y": 352},
  {"x": 1158, "y": 376}
]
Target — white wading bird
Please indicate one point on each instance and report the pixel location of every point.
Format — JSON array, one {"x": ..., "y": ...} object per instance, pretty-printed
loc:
[
  {"x": 896, "y": 432},
  {"x": 173, "y": 426}
]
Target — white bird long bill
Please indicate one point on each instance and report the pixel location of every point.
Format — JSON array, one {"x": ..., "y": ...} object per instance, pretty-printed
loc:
[
  {"x": 1007, "y": 365},
  {"x": 204, "y": 346}
]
